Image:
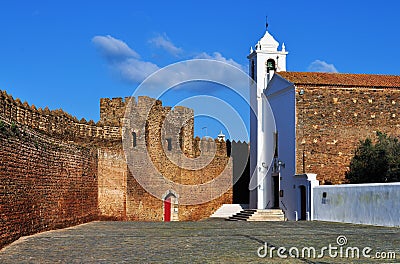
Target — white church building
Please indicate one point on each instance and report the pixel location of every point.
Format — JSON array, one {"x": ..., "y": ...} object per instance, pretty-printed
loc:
[
  {"x": 299, "y": 126},
  {"x": 274, "y": 183}
]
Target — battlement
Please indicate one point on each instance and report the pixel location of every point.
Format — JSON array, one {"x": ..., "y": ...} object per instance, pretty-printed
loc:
[
  {"x": 113, "y": 110},
  {"x": 55, "y": 123},
  {"x": 209, "y": 146},
  {"x": 179, "y": 121}
]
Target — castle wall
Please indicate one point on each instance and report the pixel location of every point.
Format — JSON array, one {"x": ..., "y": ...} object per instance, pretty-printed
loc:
[
  {"x": 151, "y": 141},
  {"x": 56, "y": 123},
  {"x": 332, "y": 120},
  {"x": 44, "y": 183},
  {"x": 120, "y": 194},
  {"x": 112, "y": 110},
  {"x": 58, "y": 171},
  {"x": 112, "y": 170}
]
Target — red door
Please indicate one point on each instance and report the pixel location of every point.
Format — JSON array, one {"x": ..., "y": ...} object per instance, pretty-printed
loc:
[{"x": 167, "y": 209}]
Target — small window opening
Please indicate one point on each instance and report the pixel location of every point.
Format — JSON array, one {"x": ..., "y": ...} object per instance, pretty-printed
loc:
[
  {"x": 133, "y": 139},
  {"x": 270, "y": 65},
  {"x": 181, "y": 142},
  {"x": 169, "y": 142}
]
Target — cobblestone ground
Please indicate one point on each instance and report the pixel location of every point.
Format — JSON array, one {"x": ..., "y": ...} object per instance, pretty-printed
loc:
[{"x": 200, "y": 242}]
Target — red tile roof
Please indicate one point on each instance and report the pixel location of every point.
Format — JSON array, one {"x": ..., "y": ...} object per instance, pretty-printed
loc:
[{"x": 342, "y": 79}]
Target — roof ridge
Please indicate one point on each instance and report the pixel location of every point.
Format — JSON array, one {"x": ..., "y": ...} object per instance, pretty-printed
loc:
[
  {"x": 343, "y": 79},
  {"x": 338, "y": 73}
]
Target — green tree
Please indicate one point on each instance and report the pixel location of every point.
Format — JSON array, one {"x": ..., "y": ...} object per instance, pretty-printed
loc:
[{"x": 379, "y": 162}]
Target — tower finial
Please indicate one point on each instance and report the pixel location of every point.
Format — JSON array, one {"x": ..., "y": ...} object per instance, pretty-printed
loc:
[{"x": 266, "y": 22}]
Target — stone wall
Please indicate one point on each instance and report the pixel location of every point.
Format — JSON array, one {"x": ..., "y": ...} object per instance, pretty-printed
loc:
[
  {"x": 56, "y": 123},
  {"x": 152, "y": 133},
  {"x": 56, "y": 171},
  {"x": 44, "y": 183},
  {"x": 112, "y": 169},
  {"x": 112, "y": 110},
  {"x": 332, "y": 120}
]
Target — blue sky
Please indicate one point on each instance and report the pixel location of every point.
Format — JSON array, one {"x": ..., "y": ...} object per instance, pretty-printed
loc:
[{"x": 69, "y": 54}]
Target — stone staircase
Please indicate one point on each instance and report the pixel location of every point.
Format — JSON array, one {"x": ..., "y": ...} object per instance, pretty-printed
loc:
[
  {"x": 227, "y": 210},
  {"x": 258, "y": 215}
]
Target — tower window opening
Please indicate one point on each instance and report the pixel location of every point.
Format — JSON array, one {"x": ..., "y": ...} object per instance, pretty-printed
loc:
[
  {"x": 181, "y": 141},
  {"x": 133, "y": 139},
  {"x": 271, "y": 65},
  {"x": 169, "y": 144}
]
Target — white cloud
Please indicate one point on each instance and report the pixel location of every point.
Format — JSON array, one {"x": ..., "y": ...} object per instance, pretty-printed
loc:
[
  {"x": 218, "y": 56},
  {"x": 123, "y": 59},
  {"x": 166, "y": 44},
  {"x": 128, "y": 64},
  {"x": 198, "y": 76},
  {"x": 321, "y": 66},
  {"x": 114, "y": 49},
  {"x": 134, "y": 70}
]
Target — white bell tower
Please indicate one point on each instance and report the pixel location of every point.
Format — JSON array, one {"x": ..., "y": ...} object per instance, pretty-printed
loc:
[{"x": 264, "y": 61}]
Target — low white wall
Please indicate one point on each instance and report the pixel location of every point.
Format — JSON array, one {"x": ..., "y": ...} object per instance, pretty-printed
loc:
[{"x": 373, "y": 204}]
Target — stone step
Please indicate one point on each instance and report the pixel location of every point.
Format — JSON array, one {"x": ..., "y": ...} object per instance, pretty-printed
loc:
[
  {"x": 245, "y": 214},
  {"x": 258, "y": 215},
  {"x": 266, "y": 219},
  {"x": 242, "y": 215},
  {"x": 238, "y": 218},
  {"x": 267, "y": 216},
  {"x": 227, "y": 210},
  {"x": 269, "y": 213}
]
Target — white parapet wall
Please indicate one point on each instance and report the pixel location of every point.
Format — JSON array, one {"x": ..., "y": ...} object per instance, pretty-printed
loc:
[{"x": 372, "y": 204}]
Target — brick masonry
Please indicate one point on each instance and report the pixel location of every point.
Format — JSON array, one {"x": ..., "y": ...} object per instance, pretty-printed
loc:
[{"x": 44, "y": 183}]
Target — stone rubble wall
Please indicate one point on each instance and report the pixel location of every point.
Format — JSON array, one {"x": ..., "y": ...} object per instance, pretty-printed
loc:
[
  {"x": 137, "y": 204},
  {"x": 55, "y": 123},
  {"x": 331, "y": 121}
]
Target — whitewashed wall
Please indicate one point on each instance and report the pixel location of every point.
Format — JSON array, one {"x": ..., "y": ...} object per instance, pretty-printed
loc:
[{"x": 374, "y": 204}]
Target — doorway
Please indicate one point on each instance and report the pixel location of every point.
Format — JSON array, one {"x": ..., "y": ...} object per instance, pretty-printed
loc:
[
  {"x": 303, "y": 202},
  {"x": 275, "y": 186},
  {"x": 167, "y": 209},
  {"x": 170, "y": 207}
]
